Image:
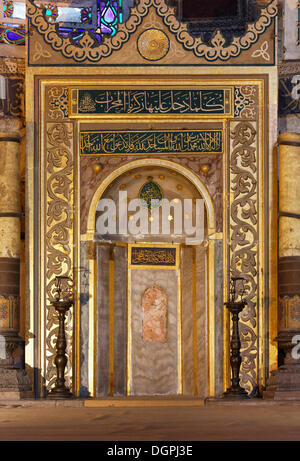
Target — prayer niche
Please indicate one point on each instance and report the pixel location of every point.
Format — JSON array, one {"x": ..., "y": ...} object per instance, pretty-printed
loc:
[{"x": 155, "y": 315}]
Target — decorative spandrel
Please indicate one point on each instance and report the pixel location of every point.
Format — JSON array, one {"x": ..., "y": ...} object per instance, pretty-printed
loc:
[
  {"x": 82, "y": 41},
  {"x": 101, "y": 19}
]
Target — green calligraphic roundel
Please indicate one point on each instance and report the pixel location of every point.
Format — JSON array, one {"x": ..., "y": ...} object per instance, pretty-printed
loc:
[{"x": 151, "y": 191}]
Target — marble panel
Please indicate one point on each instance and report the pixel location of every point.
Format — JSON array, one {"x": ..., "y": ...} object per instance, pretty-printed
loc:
[
  {"x": 120, "y": 320},
  {"x": 102, "y": 320},
  {"x": 84, "y": 319},
  {"x": 155, "y": 312},
  {"x": 187, "y": 320},
  {"x": 202, "y": 330},
  {"x": 219, "y": 309},
  {"x": 154, "y": 364}
]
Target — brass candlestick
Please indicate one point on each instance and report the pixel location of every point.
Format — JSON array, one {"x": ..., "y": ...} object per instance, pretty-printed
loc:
[
  {"x": 235, "y": 391},
  {"x": 60, "y": 391}
]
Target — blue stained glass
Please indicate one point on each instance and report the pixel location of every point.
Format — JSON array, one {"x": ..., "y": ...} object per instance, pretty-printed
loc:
[
  {"x": 107, "y": 15},
  {"x": 105, "y": 29},
  {"x": 102, "y": 19},
  {"x": 86, "y": 16},
  {"x": 12, "y": 35},
  {"x": 8, "y": 8}
]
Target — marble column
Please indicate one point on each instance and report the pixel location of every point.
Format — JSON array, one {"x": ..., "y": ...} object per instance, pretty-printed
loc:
[
  {"x": 13, "y": 379},
  {"x": 284, "y": 383}
]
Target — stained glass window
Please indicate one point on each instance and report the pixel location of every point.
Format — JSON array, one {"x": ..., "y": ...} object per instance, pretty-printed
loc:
[
  {"x": 50, "y": 13},
  {"x": 8, "y": 9},
  {"x": 100, "y": 17}
]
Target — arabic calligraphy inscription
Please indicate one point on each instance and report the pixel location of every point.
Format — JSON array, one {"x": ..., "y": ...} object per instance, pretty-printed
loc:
[
  {"x": 204, "y": 101},
  {"x": 147, "y": 142},
  {"x": 141, "y": 256}
]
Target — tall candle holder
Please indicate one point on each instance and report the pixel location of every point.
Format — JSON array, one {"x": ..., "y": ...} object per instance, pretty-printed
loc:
[
  {"x": 235, "y": 391},
  {"x": 63, "y": 302}
]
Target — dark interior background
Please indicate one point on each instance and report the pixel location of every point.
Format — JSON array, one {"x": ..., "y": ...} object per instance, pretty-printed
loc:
[{"x": 196, "y": 9}]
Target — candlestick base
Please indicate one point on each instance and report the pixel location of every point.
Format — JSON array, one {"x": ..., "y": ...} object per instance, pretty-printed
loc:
[
  {"x": 235, "y": 394},
  {"x": 60, "y": 394}
]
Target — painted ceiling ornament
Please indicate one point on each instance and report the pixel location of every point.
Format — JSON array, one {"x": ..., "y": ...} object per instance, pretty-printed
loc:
[
  {"x": 153, "y": 44},
  {"x": 151, "y": 191},
  {"x": 86, "y": 47}
]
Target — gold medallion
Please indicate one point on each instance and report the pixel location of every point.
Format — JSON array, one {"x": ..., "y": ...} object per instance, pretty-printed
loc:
[{"x": 153, "y": 44}]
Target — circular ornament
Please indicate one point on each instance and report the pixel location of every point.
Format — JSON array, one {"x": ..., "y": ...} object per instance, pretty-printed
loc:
[
  {"x": 151, "y": 191},
  {"x": 86, "y": 15},
  {"x": 8, "y": 8},
  {"x": 50, "y": 13},
  {"x": 153, "y": 44}
]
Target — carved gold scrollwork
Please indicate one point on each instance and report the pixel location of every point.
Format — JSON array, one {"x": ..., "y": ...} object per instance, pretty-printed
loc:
[
  {"x": 58, "y": 100},
  {"x": 246, "y": 102},
  {"x": 58, "y": 233},
  {"x": 244, "y": 240}
]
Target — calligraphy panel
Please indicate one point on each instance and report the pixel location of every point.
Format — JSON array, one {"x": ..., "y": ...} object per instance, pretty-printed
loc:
[
  {"x": 150, "y": 142},
  {"x": 128, "y": 102},
  {"x": 153, "y": 257}
]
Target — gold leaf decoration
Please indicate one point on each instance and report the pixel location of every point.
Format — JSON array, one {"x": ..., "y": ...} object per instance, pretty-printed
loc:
[
  {"x": 40, "y": 52},
  {"x": 153, "y": 44}
]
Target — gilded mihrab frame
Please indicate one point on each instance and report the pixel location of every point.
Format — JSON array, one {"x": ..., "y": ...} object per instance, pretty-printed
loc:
[{"x": 58, "y": 217}]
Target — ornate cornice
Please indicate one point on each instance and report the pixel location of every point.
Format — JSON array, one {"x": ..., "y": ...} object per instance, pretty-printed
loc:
[{"x": 87, "y": 50}]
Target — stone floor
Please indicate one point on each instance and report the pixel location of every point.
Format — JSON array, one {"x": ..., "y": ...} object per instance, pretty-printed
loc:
[{"x": 43, "y": 420}]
